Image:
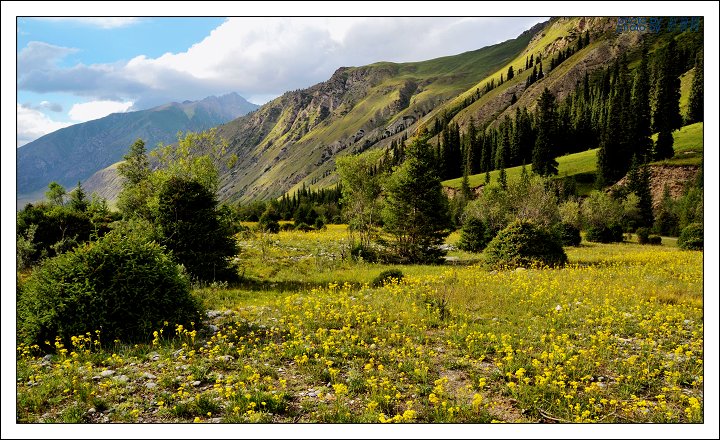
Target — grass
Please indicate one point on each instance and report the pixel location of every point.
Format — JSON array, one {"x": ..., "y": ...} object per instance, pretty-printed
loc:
[
  {"x": 688, "y": 145},
  {"x": 616, "y": 336}
]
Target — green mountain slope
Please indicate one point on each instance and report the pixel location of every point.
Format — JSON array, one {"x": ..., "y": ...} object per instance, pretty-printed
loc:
[
  {"x": 74, "y": 153},
  {"x": 294, "y": 139}
]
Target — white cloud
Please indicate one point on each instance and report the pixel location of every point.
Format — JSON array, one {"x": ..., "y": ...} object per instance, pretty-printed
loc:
[
  {"x": 87, "y": 111},
  {"x": 262, "y": 57},
  {"x": 31, "y": 124},
  {"x": 101, "y": 22}
]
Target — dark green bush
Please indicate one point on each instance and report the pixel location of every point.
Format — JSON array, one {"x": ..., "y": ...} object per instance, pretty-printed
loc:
[
  {"x": 287, "y": 227},
  {"x": 385, "y": 276},
  {"x": 643, "y": 235},
  {"x": 604, "y": 234},
  {"x": 367, "y": 253},
  {"x": 654, "y": 239},
  {"x": 268, "y": 224},
  {"x": 523, "y": 243},
  {"x": 691, "y": 237},
  {"x": 474, "y": 236},
  {"x": 125, "y": 287},
  {"x": 303, "y": 227},
  {"x": 319, "y": 223},
  {"x": 569, "y": 235}
]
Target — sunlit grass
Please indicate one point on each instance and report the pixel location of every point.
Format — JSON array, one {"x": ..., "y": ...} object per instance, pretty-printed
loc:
[{"x": 615, "y": 336}]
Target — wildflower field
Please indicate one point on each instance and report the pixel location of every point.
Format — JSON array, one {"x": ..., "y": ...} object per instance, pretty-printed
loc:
[{"x": 616, "y": 336}]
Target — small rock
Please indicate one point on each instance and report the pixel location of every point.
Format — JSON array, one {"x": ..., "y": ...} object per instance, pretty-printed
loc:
[
  {"x": 122, "y": 378},
  {"x": 197, "y": 383},
  {"x": 47, "y": 357},
  {"x": 150, "y": 385},
  {"x": 213, "y": 328},
  {"x": 148, "y": 376},
  {"x": 493, "y": 272},
  {"x": 373, "y": 346},
  {"x": 96, "y": 377},
  {"x": 107, "y": 373},
  {"x": 213, "y": 313},
  {"x": 520, "y": 269},
  {"x": 558, "y": 307},
  {"x": 313, "y": 394},
  {"x": 226, "y": 358},
  {"x": 92, "y": 411}
]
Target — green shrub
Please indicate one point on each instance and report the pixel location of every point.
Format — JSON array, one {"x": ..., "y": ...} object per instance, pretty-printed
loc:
[
  {"x": 287, "y": 227},
  {"x": 523, "y": 243},
  {"x": 643, "y": 235},
  {"x": 385, "y": 276},
  {"x": 569, "y": 235},
  {"x": 303, "y": 227},
  {"x": 691, "y": 237},
  {"x": 604, "y": 234},
  {"x": 367, "y": 253},
  {"x": 475, "y": 235},
  {"x": 654, "y": 239},
  {"x": 123, "y": 286},
  {"x": 268, "y": 225},
  {"x": 319, "y": 223}
]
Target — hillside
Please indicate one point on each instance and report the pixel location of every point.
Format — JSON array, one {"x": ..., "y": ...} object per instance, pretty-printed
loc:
[
  {"x": 293, "y": 139},
  {"x": 74, "y": 153}
]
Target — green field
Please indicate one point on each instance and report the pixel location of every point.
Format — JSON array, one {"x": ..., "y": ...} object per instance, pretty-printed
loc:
[{"x": 614, "y": 337}]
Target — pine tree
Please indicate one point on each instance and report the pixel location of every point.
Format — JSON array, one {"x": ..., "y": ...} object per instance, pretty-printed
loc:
[
  {"x": 502, "y": 178},
  {"x": 639, "y": 183},
  {"x": 642, "y": 144},
  {"x": 513, "y": 99},
  {"x": 136, "y": 166},
  {"x": 416, "y": 211},
  {"x": 487, "y": 177},
  {"x": 78, "y": 199},
  {"x": 510, "y": 73},
  {"x": 695, "y": 104},
  {"x": 543, "y": 156},
  {"x": 666, "y": 112}
]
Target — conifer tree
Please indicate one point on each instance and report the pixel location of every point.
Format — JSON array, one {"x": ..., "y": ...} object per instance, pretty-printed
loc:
[
  {"x": 642, "y": 144},
  {"x": 543, "y": 156},
  {"x": 695, "y": 104},
  {"x": 416, "y": 211},
  {"x": 666, "y": 111}
]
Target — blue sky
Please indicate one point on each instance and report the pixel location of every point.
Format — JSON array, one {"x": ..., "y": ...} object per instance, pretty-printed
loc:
[{"x": 71, "y": 70}]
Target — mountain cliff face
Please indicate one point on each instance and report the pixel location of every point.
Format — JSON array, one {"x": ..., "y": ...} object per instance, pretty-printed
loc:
[
  {"x": 294, "y": 139},
  {"x": 74, "y": 153}
]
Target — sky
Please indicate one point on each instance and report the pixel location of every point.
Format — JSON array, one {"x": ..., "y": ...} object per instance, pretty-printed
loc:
[{"x": 72, "y": 70}]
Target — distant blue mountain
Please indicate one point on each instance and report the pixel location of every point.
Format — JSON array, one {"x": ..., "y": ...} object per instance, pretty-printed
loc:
[{"x": 75, "y": 153}]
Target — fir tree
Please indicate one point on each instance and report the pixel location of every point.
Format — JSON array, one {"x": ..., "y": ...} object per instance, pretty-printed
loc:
[
  {"x": 416, "y": 211},
  {"x": 642, "y": 144},
  {"x": 543, "y": 156},
  {"x": 78, "y": 199},
  {"x": 666, "y": 111},
  {"x": 510, "y": 73},
  {"x": 695, "y": 104}
]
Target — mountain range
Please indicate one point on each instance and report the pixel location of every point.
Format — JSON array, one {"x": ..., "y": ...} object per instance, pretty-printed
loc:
[
  {"x": 76, "y": 152},
  {"x": 293, "y": 140}
]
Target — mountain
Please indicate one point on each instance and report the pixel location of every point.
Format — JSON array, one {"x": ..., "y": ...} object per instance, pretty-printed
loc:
[
  {"x": 293, "y": 140},
  {"x": 74, "y": 153}
]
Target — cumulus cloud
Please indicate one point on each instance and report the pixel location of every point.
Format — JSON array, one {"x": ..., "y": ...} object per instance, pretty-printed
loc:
[
  {"x": 31, "y": 124},
  {"x": 264, "y": 57},
  {"x": 88, "y": 111}
]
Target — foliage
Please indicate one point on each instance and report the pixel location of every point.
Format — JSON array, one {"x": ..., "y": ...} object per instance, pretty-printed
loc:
[
  {"x": 543, "y": 158},
  {"x": 475, "y": 235},
  {"x": 695, "y": 103},
  {"x": 192, "y": 230},
  {"x": 569, "y": 235},
  {"x": 522, "y": 244},
  {"x": 123, "y": 286},
  {"x": 416, "y": 209},
  {"x": 361, "y": 190},
  {"x": 691, "y": 237},
  {"x": 643, "y": 235},
  {"x": 611, "y": 233},
  {"x": 654, "y": 240},
  {"x": 55, "y": 194},
  {"x": 387, "y": 276}
]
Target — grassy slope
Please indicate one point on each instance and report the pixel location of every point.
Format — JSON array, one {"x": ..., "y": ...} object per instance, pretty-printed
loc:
[
  {"x": 688, "y": 151},
  {"x": 686, "y": 80}
]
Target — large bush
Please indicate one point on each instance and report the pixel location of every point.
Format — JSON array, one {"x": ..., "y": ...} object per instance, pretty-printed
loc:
[
  {"x": 569, "y": 235},
  {"x": 523, "y": 243},
  {"x": 604, "y": 234},
  {"x": 691, "y": 237},
  {"x": 123, "y": 286}
]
